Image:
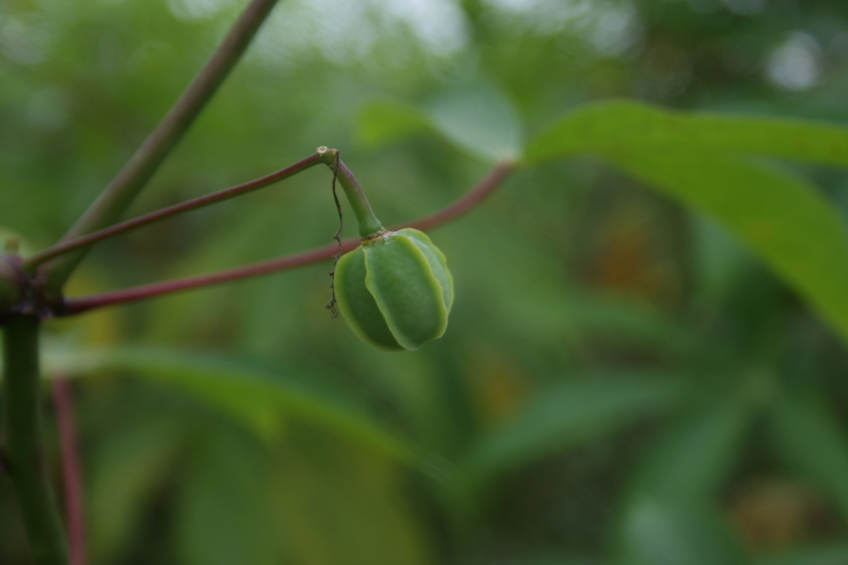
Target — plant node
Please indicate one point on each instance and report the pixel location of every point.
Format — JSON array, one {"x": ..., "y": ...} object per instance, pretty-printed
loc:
[
  {"x": 13, "y": 283},
  {"x": 20, "y": 293}
]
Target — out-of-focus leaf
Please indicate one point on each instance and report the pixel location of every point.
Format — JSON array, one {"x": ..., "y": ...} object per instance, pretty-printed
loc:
[
  {"x": 621, "y": 125},
  {"x": 257, "y": 398},
  {"x": 476, "y": 118},
  {"x": 767, "y": 210},
  {"x": 657, "y": 533},
  {"x": 690, "y": 158},
  {"x": 337, "y": 504},
  {"x": 556, "y": 311},
  {"x": 557, "y": 558},
  {"x": 691, "y": 463},
  {"x": 836, "y": 555},
  {"x": 479, "y": 119},
  {"x": 566, "y": 415},
  {"x": 810, "y": 439},
  {"x": 224, "y": 514},
  {"x": 124, "y": 470},
  {"x": 383, "y": 122}
]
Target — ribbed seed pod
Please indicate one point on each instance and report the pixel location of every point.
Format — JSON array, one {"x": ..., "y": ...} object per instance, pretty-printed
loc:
[{"x": 395, "y": 290}]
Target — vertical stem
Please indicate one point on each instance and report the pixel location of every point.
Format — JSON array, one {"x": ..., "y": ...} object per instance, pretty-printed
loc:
[
  {"x": 146, "y": 160},
  {"x": 25, "y": 460},
  {"x": 63, "y": 401}
]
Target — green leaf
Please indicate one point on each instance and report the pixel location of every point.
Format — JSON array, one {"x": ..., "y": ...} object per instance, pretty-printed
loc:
[
  {"x": 690, "y": 464},
  {"x": 779, "y": 216},
  {"x": 810, "y": 439},
  {"x": 338, "y": 505},
  {"x": 695, "y": 158},
  {"x": 660, "y": 533},
  {"x": 621, "y": 125},
  {"x": 669, "y": 517},
  {"x": 480, "y": 120},
  {"x": 125, "y": 468},
  {"x": 476, "y": 118},
  {"x": 835, "y": 555},
  {"x": 382, "y": 122},
  {"x": 257, "y": 398},
  {"x": 572, "y": 413},
  {"x": 224, "y": 514}
]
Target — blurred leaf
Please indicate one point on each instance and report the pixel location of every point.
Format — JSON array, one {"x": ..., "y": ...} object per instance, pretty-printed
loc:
[
  {"x": 381, "y": 122},
  {"x": 224, "y": 513},
  {"x": 690, "y": 464},
  {"x": 621, "y": 125},
  {"x": 339, "y": 505},
  {"x": 836, "y": 555},
  {"x": 556, "y": 558},
  {"x": 479, "y": 119},
  {"x": 810, "y": 439},
  {"x": 564, "y": 416},
  {"x": 476, "y": 118},
  {"x": 258, "y": 398},
  {"x": 125, "y": 469},
  {"x": 658, "y": 533},
  {"x": 687, "y": 157},
  {"x": 767, "y": 210}
]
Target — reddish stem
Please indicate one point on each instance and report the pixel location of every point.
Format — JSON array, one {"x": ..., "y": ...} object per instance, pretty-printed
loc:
[
  {"x": 162, "y": 140},
  {"x": 63, "y": 401},
  {"x": 199, "y": 202},
  {"x": 455, "y": 209}
]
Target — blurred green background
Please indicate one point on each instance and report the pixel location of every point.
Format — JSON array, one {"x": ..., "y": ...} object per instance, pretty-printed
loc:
[{"x": 621, "y": 382}]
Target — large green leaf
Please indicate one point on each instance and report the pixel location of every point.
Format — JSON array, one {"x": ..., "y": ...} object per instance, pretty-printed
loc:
[
  {"x": 622, "y": 125},
  {"x": 563, "y": 416},
  {"x": 779, "y": 216},
  {"x": 258, "y": 398},
  {"x": 690, "y": 463},
  {"x": 811, "y": 440},
  {"x": 670, "y": 515},
  {"x": 336, "y": 504},
  {"x": 698, "y": 159},
  {"x": 124, "y": 469},
  {"x": 224, "y": 513}
]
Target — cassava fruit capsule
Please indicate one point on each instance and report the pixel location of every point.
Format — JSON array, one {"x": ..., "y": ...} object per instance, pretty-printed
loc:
[{"x": 395, "y": 290}]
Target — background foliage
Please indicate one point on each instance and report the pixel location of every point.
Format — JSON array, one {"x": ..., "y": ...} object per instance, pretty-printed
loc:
[{"x": 625, "y": 379}]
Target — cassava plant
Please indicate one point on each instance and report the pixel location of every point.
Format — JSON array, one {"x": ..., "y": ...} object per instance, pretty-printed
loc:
[
  {"x": 394, "y": 288},
  {"x": 392, "y": 285}
]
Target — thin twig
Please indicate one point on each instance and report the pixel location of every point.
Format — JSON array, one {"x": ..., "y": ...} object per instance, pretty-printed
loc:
[
  {"x": 331, "y": 305},
  {"x": 450, "y": 212},
  {"x": 158, "y": 145},
  {"x": 63, "y": 402},
  {"x": 68, "y": 245}
]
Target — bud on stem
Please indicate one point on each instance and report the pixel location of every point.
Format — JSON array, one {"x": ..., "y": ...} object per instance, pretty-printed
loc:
[{"x": 394, "y": 290}]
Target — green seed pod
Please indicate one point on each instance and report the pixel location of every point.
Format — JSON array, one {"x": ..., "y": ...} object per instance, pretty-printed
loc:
[{"x": 395, "y": 290}]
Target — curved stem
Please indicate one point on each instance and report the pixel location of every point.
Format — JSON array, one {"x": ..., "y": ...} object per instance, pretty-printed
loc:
[
  {"x": 68, "y": 245},
  {"x": 24, "y": 458},
  {"x": 146, "y": 160},
  {"x": 450, "y": 212},
  {"x": 368, "y": 222}
]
